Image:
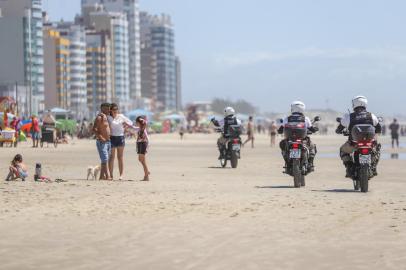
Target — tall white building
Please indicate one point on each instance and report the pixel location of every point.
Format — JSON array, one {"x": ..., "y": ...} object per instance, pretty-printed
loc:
[
  {"x": 131, "y": 9},
  {"x": 116, "y": 25},
  {"x": 21, "y": 49},
  {"x": 77, "y": 56}
]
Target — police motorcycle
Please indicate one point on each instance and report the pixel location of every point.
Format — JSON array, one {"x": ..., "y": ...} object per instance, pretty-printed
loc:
[
  {"x": 297, "y": 149},
  {"x": 365, "y": 156}
]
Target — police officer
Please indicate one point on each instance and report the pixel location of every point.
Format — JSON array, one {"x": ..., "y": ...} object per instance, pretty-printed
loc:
[
  {"x": 298, "y": 109},
  {"x": 229, "y": 120},
  {"x": 359, "y": 116}
]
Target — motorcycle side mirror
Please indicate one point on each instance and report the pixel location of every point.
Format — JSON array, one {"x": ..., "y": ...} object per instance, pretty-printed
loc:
[
  {"x": 317, "y": 119},
  {"x": 338, "y": 119}
]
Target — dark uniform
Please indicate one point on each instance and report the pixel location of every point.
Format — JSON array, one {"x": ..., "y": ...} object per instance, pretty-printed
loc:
[
  {"x": 225, "y": 124},
  {"x": 360, "y": 116},
  {"x": 299, "y": 118}
]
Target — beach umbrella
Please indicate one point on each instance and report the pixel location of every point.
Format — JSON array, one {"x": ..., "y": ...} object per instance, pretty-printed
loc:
[
  {"x": 175, "y": 117},
  {"x": 26, "y": 125},
  {"x": 59, "y": 110},
  {"x": 139, "y": 112},
  {"x": 66, "y": 125},
  {"x": 157, "y": 127}
]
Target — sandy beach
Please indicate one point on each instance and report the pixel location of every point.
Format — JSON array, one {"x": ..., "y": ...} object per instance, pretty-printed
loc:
[{"x": 194, "y": 215}]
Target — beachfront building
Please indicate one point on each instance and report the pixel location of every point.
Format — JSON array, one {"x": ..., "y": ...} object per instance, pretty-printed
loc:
[
  {"x": 116, "y": 26},
  {"x": 149, "y": 77},
  {"x": 77, "y": 62},
  {"x": 131, "y": 9},
  {"x": 157, "y": 33},
  {"x": 57, "y": 70},
  {"x": 98, "y": 70},
  {"x": 21, "y": 51},
  {"x": 178, "y": 65}
]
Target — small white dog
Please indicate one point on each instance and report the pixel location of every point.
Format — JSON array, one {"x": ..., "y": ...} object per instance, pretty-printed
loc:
[{"x": 93, "y": 172}]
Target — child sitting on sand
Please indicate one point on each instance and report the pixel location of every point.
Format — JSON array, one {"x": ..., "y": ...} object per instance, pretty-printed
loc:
[{"x": 17, "y": 169}]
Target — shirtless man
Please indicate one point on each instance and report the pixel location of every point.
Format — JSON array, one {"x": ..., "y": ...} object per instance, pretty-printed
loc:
[
  {"x": 101, "y": 129},
  {"x": 250, "y": 131}
]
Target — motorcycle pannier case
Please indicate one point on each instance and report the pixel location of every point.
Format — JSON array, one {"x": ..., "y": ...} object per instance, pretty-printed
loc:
[
  {"x": 363, "y": 133},
  {"x": 295, "y": 131}
]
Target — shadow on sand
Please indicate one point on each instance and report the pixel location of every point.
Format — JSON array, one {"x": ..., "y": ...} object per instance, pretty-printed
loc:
[
  {"x": 281, "y": 187},
  {"x": 336, "y": 190},
  {"x": 218, "y": 167}
]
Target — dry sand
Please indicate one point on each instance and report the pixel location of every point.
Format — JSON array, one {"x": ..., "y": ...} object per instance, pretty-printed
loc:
[{"x": 193, "y": 215}]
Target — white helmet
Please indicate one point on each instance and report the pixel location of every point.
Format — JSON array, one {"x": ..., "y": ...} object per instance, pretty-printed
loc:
[
  {"x": 229, "y": 111},
  {"x": 297, "y": 107},
  {"x": 359, "y": 101}
]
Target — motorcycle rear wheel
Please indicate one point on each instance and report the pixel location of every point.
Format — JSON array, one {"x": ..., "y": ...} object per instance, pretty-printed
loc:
[
  {"x": 234, "y": 160},
  {"x": 297, "y": 173},
  {"x": 364, "y": 178},
  {"x": 303, "y": 181}
]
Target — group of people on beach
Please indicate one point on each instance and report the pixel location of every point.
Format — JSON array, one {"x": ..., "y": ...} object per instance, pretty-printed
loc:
[{"x": 109, "y": 128}]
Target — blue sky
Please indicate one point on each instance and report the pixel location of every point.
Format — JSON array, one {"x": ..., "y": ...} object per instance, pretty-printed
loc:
[{"x": 272, "y": 52}]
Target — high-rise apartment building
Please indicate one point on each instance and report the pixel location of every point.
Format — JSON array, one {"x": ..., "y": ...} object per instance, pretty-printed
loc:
[
  {"x": 131, "y": 9},
  {"x": 78, "y": 89},
  {"x": 98, "y": 70},
  {"x": 57, "y": 70},
  {"x": 21, "y": 51},
  {"x": 149, "y": 77},
  {"x": 157, "y": 32},
  {"x": 178, "y": 65},
  {"x": 117, "y": 26}
]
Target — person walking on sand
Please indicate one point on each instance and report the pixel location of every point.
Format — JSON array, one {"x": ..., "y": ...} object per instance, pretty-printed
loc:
[
  {"x": 273, "y": 129},
  {"x": 118, "y": 122},
  {"x": 102, "y": 132},
  {"x": 250, "y": 132},
  {"x": 142, "y": 144},
  {"x": 181, "y": 131},
  {"x": 35, "y": 131},
  {"x": 394, "y": 128}
]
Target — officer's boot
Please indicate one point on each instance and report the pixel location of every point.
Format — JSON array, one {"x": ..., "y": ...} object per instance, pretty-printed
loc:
[
  {"x": 311, "y": 164},
  {"x": 349, "y": 165}
]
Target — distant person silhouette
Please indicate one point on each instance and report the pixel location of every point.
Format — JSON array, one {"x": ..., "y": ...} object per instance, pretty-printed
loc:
[{"x": 394, "y": 127}]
